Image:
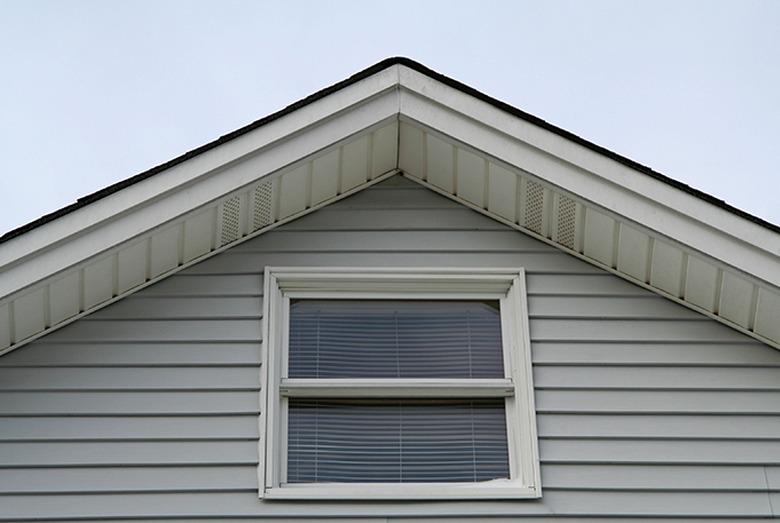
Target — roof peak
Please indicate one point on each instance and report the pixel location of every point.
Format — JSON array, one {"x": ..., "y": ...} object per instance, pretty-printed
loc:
[{"x": 360, "y": 75}]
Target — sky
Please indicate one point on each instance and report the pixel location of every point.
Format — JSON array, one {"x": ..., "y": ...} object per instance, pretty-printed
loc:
[{"x": 92, "y": 92}]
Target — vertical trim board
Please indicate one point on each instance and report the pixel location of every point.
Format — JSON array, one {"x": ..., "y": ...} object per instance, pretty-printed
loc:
[
  {"x": 503, "y": 192},
  {"x": 632, "y": 254},
  {"x": 385, "y": 150},
  {"x": 5, "y": 324},
  {"x": 353, "y": 163},
  {"x": 131, "y": 264},
  {"x": 165, "y": 250},
  {"x": 599, "y": 237},
  {"x": 28, "y": 314},
  {"x": 293, "y": 190},
  {"x": 411, "y": 155},
  {"x": 325, "y": 177},
  {"x": 98, "y": 282},
  {"x": 470, "y": 182},
  {"x": 440, "y": 167},
  {"x": 768, "y": 314},
  {"x": 735, "y": 299},
  {"x": 198, "y": 230},
  {"x": 701, "y": 282},
  {"x": 666, "y": 267},
  {"x": 61, "y": 302}
]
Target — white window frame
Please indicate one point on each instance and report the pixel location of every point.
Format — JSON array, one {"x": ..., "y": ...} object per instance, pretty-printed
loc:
[{"x": 505, "y": 285}]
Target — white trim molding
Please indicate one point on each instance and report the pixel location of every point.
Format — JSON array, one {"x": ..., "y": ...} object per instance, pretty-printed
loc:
[
  {"x": 592, "y": 176},
  {"x": 522, "y": 196},
  {"x": 506, "y": 286},
  {"x": 397, "y": 119}
]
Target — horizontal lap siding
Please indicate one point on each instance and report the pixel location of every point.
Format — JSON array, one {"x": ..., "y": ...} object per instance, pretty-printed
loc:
[{"x": 148, "y": 409}]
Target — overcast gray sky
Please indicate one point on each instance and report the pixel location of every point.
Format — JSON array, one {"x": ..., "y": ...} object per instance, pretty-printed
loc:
[{"x": 92, "y": 92}]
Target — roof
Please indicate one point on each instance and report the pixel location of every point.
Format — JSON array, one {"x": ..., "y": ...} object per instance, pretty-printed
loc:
[
  {"x": 519, "y": 113},
  {"x": 396, "y": 116}
]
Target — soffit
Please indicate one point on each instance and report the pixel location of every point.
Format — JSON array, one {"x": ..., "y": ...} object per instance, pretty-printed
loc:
[
  {"x": 600, "y": 207},
  {"x": 87, "y": 283},
  {"x": 632, "y": 250},
  {"x": 511, "y": 168}
]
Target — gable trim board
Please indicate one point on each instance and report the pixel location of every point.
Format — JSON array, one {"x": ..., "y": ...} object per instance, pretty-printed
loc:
[{"x": 396, "y": 116}]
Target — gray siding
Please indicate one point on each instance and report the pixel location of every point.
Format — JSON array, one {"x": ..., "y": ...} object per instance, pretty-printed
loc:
[{"x": 148, "y": 409}]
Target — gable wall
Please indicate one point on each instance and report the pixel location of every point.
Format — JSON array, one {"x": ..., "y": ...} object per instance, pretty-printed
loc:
[{"x": 148, "y": 408}]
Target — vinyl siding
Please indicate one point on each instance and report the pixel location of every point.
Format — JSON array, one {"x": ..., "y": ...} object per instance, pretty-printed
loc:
[{"x": 147, "y": 410}]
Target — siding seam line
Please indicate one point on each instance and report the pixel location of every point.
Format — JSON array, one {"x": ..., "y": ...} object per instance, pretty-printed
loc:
[{"x": 768, "y": 493}]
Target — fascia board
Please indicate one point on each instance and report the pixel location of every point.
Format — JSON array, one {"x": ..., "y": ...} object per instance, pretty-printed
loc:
[
  {"x": 129, "y": 213},
  {"x": 181, "y": 175},
  {"x": 603, "y": 181}
]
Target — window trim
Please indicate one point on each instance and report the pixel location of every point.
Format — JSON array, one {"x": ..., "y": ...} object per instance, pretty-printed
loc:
[{"x": 282, "y": 284}]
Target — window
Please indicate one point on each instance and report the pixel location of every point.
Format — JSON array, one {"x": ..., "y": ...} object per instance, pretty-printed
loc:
[{"x": 397, "y": 384}]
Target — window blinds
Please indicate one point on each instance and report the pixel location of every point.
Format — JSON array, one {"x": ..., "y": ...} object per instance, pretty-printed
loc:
[
  {"x": 395, "y": 339},
  {"x": 396, "y": 441}
]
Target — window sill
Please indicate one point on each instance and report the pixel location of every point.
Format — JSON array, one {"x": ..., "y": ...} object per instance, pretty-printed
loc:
[{"x": 496, "y": 489}]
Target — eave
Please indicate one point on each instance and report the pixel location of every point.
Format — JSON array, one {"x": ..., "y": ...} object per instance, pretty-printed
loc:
[{"x": 396, "y": 117}]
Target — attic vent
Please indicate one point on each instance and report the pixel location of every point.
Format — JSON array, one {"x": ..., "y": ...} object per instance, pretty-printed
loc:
[
  {"x": 534, "y": 206},
  {"x": 231, "y": 220},
  {"x": 262, "y": 206},
  {"x": 567, "y": 215}
]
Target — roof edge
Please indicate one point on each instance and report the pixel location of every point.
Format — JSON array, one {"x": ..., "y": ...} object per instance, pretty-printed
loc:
[
  {"x": 118, "y": 186},
  {"x": 519, "y": 113},
  {"x": 365, "y": 73}
]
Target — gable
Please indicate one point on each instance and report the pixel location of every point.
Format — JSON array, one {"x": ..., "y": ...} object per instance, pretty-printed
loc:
[
  {"x": 147, "y": 409},
  {"x": 397, "y": 118}
]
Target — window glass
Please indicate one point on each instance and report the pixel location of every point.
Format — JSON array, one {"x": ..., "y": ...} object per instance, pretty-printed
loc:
[
  {"x": 367, "y": 441},
  {"x": 395, "y": 339}
]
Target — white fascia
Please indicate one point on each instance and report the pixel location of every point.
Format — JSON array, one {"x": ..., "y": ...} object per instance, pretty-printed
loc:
[
  {"x": 134, "y": 210},
  {"x": 592, "y": 176}
]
